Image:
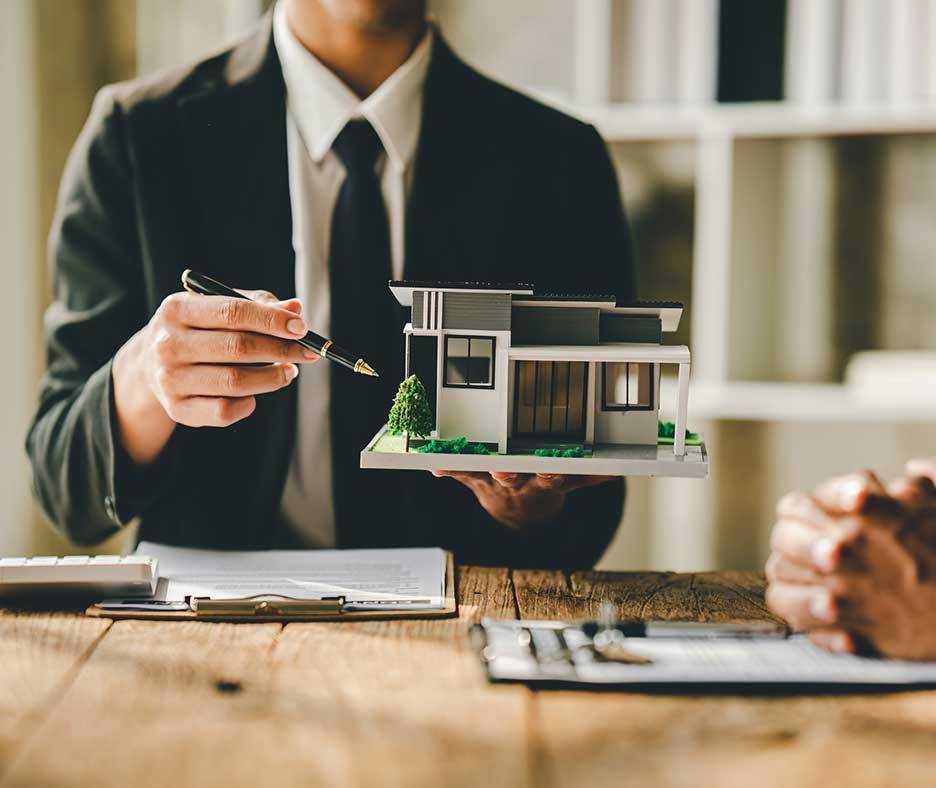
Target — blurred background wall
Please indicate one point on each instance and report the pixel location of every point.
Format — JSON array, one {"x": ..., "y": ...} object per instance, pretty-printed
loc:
[{"x": 778, "y": 164}]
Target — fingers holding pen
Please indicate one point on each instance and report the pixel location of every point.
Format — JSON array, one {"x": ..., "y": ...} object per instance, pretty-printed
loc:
[
  {"x": 191, "y": 328},
  {"x": 232, "y": 314},
  {"x": 209, "y": 358},
  {"x": 216, "y": 380},
  {"x": 211, "y": 395},
  {"x": 213, "y": 411},
  {"x": 199, "y": 346},
  {"x": 266, "y": 297}
]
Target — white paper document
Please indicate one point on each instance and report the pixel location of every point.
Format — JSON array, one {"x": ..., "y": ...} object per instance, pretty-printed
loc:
[
  {"x": 399, "y": 578},
  {"x": 562, "y": 653}
]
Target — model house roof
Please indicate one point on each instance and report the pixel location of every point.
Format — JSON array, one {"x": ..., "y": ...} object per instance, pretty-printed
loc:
[
  {"x": 604, "y": 299},
  {"x": 403, "y": 289},
  {"x": 669, "y": 312},
  {"x": 525, "y": 294},
  {"x": 652, "y": 304}
]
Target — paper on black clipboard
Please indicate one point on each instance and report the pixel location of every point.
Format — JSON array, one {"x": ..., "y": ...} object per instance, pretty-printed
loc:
[{"x": 398, "y": 578}]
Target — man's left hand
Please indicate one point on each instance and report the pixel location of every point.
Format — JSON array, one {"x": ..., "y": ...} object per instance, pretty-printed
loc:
[{"x": 521, "y": 500}]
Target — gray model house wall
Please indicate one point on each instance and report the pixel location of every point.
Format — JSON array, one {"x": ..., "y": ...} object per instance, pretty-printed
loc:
[
  {"x": 555, "y": 325},
  {"x": 630, "y": 328},
  {"x": 482, "y": 311}
]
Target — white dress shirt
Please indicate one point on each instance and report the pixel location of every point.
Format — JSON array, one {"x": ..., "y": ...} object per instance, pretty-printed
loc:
[{"x": 318, "y": 105}]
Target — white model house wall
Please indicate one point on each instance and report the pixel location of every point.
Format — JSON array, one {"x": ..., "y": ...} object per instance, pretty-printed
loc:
[
  {"x": 479, "y": 414},
  {"x": 631, "y": 427}
]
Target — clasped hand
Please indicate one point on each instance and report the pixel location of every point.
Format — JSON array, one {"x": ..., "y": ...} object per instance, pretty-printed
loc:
[{"x": 854, "y": 563}]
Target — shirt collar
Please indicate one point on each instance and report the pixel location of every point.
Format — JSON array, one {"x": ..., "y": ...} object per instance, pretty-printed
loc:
[{"x": 321, "y": 104}]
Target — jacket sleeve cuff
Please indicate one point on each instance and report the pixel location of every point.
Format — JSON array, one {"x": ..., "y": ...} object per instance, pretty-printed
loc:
[{"x": 133, "y": 488}]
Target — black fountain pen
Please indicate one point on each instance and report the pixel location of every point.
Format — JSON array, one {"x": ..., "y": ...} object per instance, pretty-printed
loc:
[{"x": 200, "y": 284}]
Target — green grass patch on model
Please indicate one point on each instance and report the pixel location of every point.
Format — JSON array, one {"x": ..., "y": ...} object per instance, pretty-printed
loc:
[
  {"x": 666, "y": 435},
  {"x": 454, "y": 446},
  {"x": 575, "y": 451}
]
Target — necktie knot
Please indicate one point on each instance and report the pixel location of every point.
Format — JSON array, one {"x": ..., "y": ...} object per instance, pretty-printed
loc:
[{"x": 358, "y": 146}]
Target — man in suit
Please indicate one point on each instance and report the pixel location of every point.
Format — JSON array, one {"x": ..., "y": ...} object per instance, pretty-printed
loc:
[{"x": 341, "y": 145}]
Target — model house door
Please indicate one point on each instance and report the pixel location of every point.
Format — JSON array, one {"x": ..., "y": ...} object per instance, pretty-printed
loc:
[{"x": 549, "y": 400}]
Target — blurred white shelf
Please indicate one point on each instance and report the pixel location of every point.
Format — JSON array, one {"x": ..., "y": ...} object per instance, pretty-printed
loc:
[
  {"x": 649, "y": 123},
  {"x": 793, "y": 402}
]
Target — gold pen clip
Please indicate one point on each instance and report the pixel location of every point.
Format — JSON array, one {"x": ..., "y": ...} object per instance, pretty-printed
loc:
[{"x": 267, "y": 605}]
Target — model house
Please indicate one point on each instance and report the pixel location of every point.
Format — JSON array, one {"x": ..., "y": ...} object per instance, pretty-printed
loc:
[{"x": 518, "y": 370}]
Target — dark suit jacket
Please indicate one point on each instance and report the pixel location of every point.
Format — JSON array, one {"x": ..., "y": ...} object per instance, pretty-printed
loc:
[{"x": 189, "y": 169}]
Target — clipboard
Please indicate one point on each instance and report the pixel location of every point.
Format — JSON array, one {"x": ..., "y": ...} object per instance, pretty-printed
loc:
[{"x": 265, "y": 608}]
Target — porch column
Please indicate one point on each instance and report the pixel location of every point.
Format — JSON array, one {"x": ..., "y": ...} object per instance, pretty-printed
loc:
[
  {"x": 440, "y": 360},
  {"x": 406, "y": 357},
  {"x": 682, "y": 410},
  {"x": 590, "y": 395}
]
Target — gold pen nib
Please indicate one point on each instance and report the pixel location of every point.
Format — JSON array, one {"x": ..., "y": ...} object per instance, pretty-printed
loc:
[{"x": 364, "y": 368}]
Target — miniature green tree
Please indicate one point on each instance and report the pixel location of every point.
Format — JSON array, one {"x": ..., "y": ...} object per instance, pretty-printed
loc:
[{"x": 410, "y": 413}]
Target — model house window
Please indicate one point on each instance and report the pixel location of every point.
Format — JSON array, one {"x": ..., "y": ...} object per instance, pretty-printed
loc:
[
  {"x": 469, "y": 362},
  {"x": 627, "y": 385}
]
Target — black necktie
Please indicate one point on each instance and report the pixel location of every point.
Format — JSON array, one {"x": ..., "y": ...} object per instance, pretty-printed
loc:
[{"x": 363, "y": 319}]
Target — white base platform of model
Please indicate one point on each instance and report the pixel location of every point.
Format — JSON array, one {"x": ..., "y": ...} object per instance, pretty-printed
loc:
[{"x": 605, "y": 460}]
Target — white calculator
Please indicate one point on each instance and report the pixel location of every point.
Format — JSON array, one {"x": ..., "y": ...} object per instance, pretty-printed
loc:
[{"x": 107, "y": 575}]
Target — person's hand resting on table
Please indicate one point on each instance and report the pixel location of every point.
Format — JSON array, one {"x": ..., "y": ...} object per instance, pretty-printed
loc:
[
  {"x": 854, "y": 564},
  {"x": 521, "y": 500}
]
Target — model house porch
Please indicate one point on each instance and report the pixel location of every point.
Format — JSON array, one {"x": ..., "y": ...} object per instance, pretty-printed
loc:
[{"x": 520, "y": 371}]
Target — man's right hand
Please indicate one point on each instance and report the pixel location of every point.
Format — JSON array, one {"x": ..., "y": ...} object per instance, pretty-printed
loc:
[{"x": 186, "y": 365}]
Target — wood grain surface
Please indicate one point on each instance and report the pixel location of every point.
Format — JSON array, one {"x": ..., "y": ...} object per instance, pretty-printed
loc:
[
  {"x": 404, "y": 703},
  {"x": 633, "y": 739},
  {"x": 39, "y": 656}
]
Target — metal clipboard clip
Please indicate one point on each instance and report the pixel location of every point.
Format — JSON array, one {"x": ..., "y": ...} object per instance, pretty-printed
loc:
[{"x": 267, "y": 605}]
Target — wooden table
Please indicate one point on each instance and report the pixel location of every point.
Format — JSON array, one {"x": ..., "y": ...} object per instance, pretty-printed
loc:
[{"x": 131, "y": 704}]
